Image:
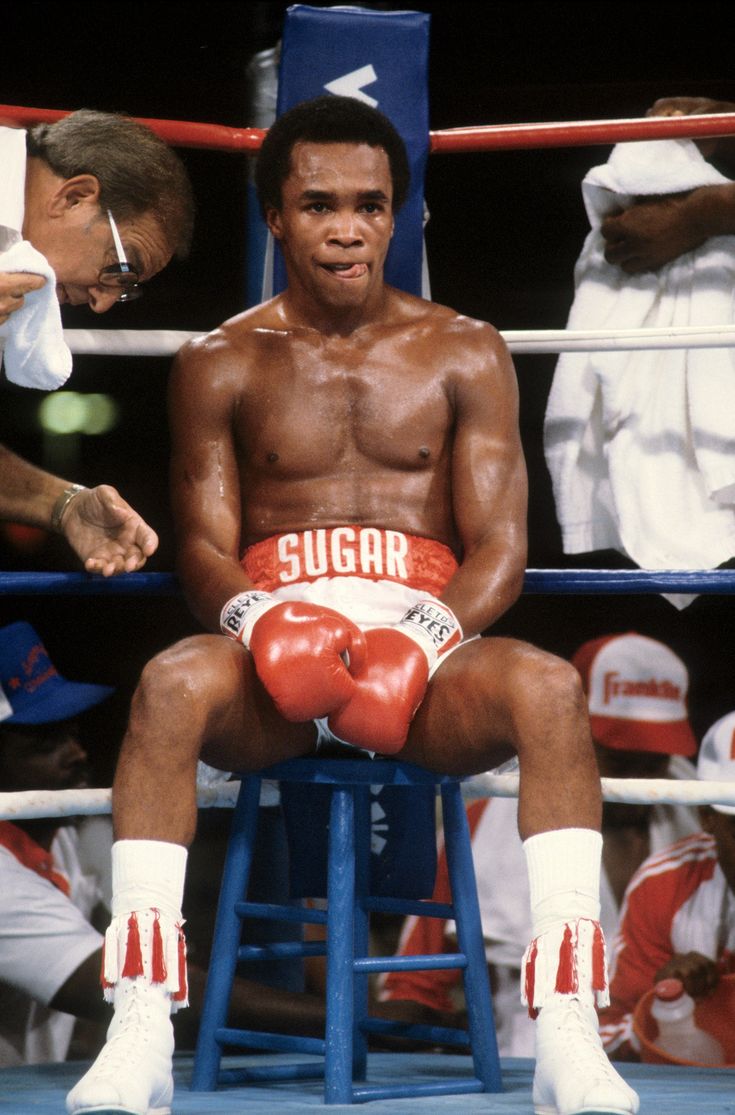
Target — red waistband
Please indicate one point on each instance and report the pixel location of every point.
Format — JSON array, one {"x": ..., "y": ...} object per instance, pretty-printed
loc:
[{"x": 370, "y": 552}]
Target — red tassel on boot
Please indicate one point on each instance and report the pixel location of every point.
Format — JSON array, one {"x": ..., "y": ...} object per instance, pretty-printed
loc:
[
  {"x": 530, "y": 979},
  {"x": 566, "y": 974},
  {"x": 158, "y": 961},
  {"x": 182, "y": 994},
  {"x": 133, "y": 957},
  {"x": 599, "y": 981}
]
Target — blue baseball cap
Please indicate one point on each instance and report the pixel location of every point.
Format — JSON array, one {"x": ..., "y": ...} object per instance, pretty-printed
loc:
[{"x": 31, "y": 689}]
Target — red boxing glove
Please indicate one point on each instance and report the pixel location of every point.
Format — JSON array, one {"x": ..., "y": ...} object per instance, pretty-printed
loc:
[
  {"x": 304, "y": 654},
  {"x": 391, "y": 686},
  {"x": 388, "y": 690}
]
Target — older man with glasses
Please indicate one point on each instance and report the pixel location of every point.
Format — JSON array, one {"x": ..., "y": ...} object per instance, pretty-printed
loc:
[{"x": 60, "y": 185}]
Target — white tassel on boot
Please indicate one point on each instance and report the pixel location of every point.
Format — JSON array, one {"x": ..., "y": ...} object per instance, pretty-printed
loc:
[
  {"x": 144, "y": 976},
  {"x": 564, "y": 976}
]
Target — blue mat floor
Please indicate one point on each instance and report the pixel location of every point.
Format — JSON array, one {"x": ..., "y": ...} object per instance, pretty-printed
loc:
[{"x": 664, "y": 1090}]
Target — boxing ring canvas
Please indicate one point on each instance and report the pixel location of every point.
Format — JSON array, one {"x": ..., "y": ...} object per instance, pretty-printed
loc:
[{"x": 664, "y": 1089}]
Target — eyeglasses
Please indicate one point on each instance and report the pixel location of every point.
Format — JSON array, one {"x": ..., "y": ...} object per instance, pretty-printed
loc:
[{"x": 120, "y": 275}]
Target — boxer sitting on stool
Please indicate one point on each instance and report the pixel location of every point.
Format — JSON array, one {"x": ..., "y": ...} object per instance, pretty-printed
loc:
[{"x": 350, "y": 498}]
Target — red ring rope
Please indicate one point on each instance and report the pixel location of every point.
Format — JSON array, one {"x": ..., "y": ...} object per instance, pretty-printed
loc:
[{"x": 486, "y": 137}]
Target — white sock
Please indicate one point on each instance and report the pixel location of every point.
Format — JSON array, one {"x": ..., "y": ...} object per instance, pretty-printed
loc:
[
  {"x": 564, "y": 876},
  {"x": 148, "y": 874}
]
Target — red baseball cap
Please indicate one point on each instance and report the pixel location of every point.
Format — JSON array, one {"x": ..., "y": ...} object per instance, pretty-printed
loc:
[{"x": 636, "y": 694}]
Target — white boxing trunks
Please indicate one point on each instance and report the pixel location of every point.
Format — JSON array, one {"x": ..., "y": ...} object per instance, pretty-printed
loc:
[{"x": 370, "y": 575}]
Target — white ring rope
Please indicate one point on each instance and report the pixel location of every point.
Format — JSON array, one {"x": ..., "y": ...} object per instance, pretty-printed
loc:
[
  {"x": 30, "y": 804},
  {"x": 166, "y": 342},
  {"x": 641, "y": 791},
  {"x": 608, "y": 340},
  {"x": 127, "y": 342}
]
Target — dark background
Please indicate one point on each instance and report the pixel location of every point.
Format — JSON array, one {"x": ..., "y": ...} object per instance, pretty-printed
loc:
[{"x": 505, "y": 231}]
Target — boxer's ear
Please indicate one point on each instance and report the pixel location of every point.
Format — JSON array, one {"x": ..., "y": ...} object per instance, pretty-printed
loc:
[{"x": 274, "y": 222}]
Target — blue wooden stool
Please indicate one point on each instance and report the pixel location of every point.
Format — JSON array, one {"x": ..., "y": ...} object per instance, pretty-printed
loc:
[{"x": 349, "y": 904}]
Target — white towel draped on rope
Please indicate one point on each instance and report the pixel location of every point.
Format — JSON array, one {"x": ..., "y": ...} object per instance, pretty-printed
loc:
[{"x": 640, "y": 444}]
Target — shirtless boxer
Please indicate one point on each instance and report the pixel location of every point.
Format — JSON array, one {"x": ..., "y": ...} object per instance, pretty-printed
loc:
[{"x": 348, "y": 483}]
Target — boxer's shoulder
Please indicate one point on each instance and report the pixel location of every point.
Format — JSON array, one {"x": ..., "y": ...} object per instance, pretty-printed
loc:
[
  {"x": 251, "y": 329},
  {"x": 445, "y": 323},
  {"x": 224, "y": 357},
  {"x": 436, "y": 322}
]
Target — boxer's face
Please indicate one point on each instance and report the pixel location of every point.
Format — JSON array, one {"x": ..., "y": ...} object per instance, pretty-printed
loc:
[{"x": 335, "y": 221}]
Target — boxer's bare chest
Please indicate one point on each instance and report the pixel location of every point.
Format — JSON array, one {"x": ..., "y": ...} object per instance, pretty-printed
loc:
[{"x": 324, "y": 406}]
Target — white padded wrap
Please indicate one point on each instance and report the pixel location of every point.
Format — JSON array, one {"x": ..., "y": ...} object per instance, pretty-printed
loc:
[
  {"x": 433, "y": 627},
  {"x": 563, "y": 876},
  {"x": 241, "y": 613},
  {"x": 148, "y": 873}
]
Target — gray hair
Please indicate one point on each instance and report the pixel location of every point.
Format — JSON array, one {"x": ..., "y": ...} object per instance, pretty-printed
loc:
[{"x": 137, "y": 171}]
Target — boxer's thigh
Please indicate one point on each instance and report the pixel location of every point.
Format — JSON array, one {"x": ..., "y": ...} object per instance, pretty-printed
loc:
[
  {"x": 209, "y": 685},
  {"x": 468, "y": 721}
]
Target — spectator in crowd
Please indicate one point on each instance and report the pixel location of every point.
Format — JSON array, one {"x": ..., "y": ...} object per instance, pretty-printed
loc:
[
  {"x": 53, "y": 896},
  {"x": 636, "y": 692},
  {"x": 678, "y": 917},
  {"x": 49, "y": 947}
]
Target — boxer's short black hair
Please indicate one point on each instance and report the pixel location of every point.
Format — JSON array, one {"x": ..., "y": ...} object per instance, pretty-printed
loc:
[{"x": 327, "y": 119}]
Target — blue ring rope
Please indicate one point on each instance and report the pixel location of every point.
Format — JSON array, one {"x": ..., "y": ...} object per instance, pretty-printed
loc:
[
  {"x": 621, "y": 581},
  {"x": 536, "y": 581},
  {"x": 88, "y": 584}
]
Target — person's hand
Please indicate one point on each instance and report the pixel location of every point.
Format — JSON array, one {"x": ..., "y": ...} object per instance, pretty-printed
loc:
[
  {"x": 106, "y": 533},
  {"x": 388, "y": 690},
  {"x": 304, "y": 654},
  {"x": 13, "y": 288},
  {"x": 688, "y": 106},
  {"x": 693, "y": 106},
  {"x": 655, "y": 230},
  {"x": 698, "y": 973}
]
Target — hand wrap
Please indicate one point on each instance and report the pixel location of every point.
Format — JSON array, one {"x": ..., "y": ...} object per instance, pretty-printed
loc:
[
  {"x": 433, "y": 626},
  {"x": 240, "y": 613}
]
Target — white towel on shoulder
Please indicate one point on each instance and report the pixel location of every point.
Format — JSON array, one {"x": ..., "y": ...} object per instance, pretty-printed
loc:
[
  {"x": 12, "y": 184},
  {"x": 36, "y": 354},
  {"x": 640, "y": 444}
]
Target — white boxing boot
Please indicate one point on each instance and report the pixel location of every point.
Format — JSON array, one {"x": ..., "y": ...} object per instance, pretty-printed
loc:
[
  {"x": 564, "y": 976},
  {"x": 144, "y": 975}
]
